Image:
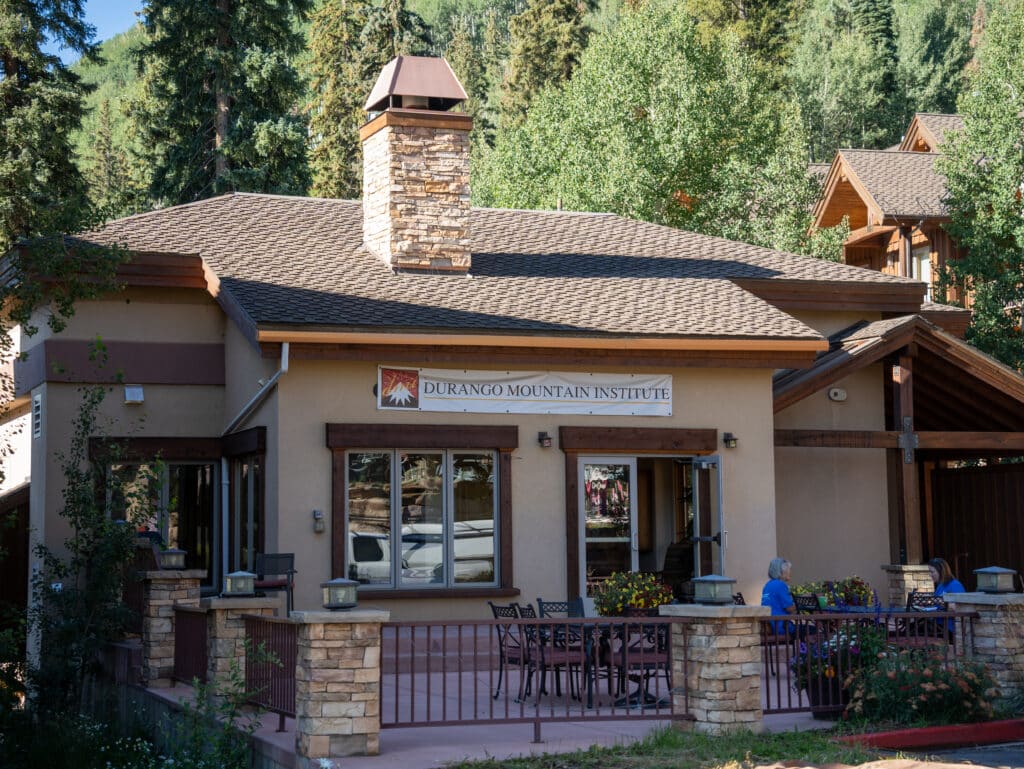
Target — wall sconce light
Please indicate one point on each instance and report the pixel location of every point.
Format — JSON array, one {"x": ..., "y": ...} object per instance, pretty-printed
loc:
[
  {"x": 730, "y": 440},
  {"x": 134, "y": 394},
  {"x": 339, "y": 594},
  {"x": 544, "y": 440},
  {"x": 318, "y": 521},
  {"x": 238, "y": 584}
]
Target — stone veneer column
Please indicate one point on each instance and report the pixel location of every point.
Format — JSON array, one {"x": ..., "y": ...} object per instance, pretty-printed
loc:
[
  {"x": 225, "y": 632},
  {"x": 722, "y": 648},
  {"x": 903, "y": 579},
  {"x": 162, "y": 591},
  {"x": 998, "y": 636},
  {"x": 337, "y": 685}
]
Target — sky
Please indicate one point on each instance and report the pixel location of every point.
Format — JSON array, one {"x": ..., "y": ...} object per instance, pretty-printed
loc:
[{"x": 109, "y": 17}]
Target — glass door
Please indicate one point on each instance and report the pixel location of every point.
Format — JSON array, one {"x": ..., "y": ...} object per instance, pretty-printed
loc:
[
  {"x": 608, "y": 521},
  {"x": 709, "y": 535}
]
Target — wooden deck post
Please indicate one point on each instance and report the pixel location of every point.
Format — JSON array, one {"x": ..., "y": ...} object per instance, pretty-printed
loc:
[{"x": 908, "y": 495}]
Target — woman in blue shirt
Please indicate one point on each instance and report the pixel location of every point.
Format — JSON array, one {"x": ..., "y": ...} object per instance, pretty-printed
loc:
[
  {"x": 776, "y": 594},
  {"x": 943, "y": 577}
]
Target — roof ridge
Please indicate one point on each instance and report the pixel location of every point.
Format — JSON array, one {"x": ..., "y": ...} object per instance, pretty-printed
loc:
[
  {"x": 890, "y": 152},
  {"x": 280, "y": 196},
  {"x": 156, "y": 211},
  {"x": 551, "y": 211}
]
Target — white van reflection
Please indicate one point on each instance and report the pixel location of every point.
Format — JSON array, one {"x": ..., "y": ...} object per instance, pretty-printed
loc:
[{"x": 423, "y": 554}]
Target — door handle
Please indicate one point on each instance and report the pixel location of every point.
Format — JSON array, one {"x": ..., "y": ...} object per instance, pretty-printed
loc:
[{"x": 634, "y": 542}]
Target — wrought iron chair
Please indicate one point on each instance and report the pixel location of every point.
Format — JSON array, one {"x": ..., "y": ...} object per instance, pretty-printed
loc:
[
  {"x": 276, "y": 571},
  {"x": 738, "y": 599},
  {"x": 553, "y": 652},
  {"x": 807, "y": 603},
  {"x": 916, "y": 632},
  {"x": 513, "y": 648},
  {"x": 643, "y": 655}
]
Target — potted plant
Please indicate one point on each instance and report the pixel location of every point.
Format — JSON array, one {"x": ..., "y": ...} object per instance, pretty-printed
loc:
[{"x": 625, "y": 590}]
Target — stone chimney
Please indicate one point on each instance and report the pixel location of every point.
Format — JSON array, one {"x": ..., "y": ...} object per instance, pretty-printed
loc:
[{"x": 416, "y": 167}]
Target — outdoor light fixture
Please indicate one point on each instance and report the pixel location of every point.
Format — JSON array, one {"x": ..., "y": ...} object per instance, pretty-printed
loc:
[
  {"x": 134, "y": 394},
  {"x": 544, "y": 440},
  {"x": 713, "y": 589},
  {"x": 172, "y": 558},
  {"x": 995, "y": 579},
  {"x": 238, "y": 584},
  {"x": 730, "y": 440},
  {"x": 339, "y": 594}
]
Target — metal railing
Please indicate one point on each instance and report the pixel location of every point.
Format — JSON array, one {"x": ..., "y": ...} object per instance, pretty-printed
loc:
[
  {"x": 808, "y": 658},
  {"x": 190, "y": 648},
  {"x": 270, "y": 664},
  {"x": 531, "y": 671}
]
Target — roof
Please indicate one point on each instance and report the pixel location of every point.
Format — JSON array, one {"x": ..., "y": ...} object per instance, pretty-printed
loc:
[
  {"x": 957, "y": 387},
  {"x": 900, "y": 183},
  {"x": 425, "y": 76},
  {"x": 932, "y": 127},
  {"x": 290, "y": 262},
  {"x": 818, "y": 170}
]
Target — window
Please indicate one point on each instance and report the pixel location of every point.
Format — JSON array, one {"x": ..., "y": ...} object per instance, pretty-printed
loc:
[
  {"x": 176, "y": 501},
  {"x": 420, "y": 519},
  {"x": 37, "y": 416},
  {"x": 245, "y": 522},
  {"x": 922, "y": 267}
]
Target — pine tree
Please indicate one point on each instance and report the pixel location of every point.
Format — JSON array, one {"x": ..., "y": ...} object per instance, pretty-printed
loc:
[
  {"x": 468, "y": 64},
  {"x": 110, "y": 185},
  {"x": 546, "y": 42},
  {"x": 934, "y": 48},
  {"x": 339, "y": 90},
  {"x": 391, "y": 30},
  {"x": 220, "y": 94},
  {"x": 984, "y": 165},
  {"x": 41, "y": 190}
]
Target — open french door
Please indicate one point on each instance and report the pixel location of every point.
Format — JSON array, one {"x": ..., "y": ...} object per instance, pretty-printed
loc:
[
  {"x": 608, "y": 530},
  {"x": 710, "y": 538}
]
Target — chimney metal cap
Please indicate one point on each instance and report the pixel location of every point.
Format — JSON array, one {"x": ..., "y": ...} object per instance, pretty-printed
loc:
[{"x": 426, "y": 77}]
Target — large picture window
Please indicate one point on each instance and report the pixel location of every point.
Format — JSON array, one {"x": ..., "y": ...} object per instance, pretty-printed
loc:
[{"x": 421, "y": 519}]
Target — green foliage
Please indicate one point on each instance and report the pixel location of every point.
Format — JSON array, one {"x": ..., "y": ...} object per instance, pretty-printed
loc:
[
  {"x": 630, "y": 590},
  {"x": 921, "y": 687},
  {"x": 75, "y": 742},
  {"x": 848, "y": 591},
  {"x": 663, "y": 124},
  {"x": 41, "y": 190},
  {"x": 469, "y": 67},
  {"x": 853, "y": 648},
  {"x": 546, "y": 42},
  {"x": 219, "y": 94},
  {"x": 984, "y": 165}
]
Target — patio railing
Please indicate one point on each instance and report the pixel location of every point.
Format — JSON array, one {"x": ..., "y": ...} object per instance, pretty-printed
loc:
[
  {"x": 806, "y": 665},
  {"x": 270, "y": 664},
  {"x": 190, "y": 647},
  {"x": 530, "y": 671}
]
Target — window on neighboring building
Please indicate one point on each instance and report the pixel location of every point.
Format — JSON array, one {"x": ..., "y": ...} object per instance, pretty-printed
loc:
[
  {"x": 921, "y": 263},
  {"x": 422, "y": 518}
]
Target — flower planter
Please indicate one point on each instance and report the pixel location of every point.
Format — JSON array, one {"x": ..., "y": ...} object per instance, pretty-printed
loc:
[
  {"x": 827, "y": 696},
  {"x": 934, "y": 737}
]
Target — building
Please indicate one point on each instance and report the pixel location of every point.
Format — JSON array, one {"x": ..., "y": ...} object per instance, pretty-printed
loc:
[{"x": 452, "y": 404}]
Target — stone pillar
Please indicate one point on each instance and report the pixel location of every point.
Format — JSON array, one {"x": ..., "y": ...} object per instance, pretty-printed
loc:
[
  {"x": 903, "y": 579},
  {"x": 161, "y": 592},
  {"x": 337, "y": 685},
  {"x": 721, "y": 646},
  {"x": 998, "y": 636},
  {"x": 225, "y": 632}
]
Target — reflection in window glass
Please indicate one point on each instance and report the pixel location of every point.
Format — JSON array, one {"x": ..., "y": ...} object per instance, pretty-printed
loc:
[
  {"x": 473, "y": 500},
  {"x": 606, "y": 500},
  {"x": 369, "y": 517},
  {"x": 423, "y": 560}
]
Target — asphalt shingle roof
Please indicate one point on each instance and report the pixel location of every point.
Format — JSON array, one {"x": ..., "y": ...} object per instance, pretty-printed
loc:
[
  {"x": 939, "y": 125},
  {"x": 300, "y": 262},
  {"x": 902, "y": 183}
]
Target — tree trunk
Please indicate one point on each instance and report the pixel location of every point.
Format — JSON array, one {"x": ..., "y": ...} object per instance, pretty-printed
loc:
[{"x": 221, "y": 119}]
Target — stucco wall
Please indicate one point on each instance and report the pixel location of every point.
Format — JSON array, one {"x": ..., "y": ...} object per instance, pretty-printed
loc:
[
  {"x": 832, "y": 503},
  {"x": 314, "y": 393}
]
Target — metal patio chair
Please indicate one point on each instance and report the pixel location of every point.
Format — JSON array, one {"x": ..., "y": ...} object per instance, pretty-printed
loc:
[
  {"x": 276, "y": 571},
  {"x": 513, "y": 648}
]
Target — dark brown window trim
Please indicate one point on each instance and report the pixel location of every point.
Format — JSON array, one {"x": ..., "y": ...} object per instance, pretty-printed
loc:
[
  {"x": 419, "y": 436},
  {"x": 446, "y": 592},
  {"x": 503, "y": 438},
  {"x": 115, "y": 449},
  {"x": 575, "y": 441},
  {"x": 251, "y": 441}
]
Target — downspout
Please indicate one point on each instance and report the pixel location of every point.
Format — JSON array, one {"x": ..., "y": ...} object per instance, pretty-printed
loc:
[{"x": 247, "y": 411}]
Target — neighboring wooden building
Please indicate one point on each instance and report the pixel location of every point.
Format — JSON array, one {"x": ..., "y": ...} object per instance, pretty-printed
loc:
[{"x": 894, "y": 200}]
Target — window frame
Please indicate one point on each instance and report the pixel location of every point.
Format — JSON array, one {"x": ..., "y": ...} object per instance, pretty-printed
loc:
[{"x": 502, "y": 439}]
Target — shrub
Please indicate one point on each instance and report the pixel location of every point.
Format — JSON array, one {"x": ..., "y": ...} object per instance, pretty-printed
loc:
[
  {"x": 851, "y": 649},
  {"x": 630, "y": 590},
  {"x": 848, "y": 591},
  {"x": 922, "y": 687}
]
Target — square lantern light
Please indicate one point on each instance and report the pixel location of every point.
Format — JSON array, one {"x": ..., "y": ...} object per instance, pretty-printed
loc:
[
  {"x": 339, "y": 594},
  {"x": 995, "y": 579},
  {"x": 239, "y": 584},
  {"x": 172, "y": 558},
  {"x": 713, "y": 589}
]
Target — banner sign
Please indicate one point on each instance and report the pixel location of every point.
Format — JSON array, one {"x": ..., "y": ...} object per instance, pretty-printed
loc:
[{"x": 524, "y": 392}]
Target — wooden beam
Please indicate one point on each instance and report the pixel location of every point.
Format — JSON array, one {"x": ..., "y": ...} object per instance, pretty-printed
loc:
[
  {"x": 838, "y": 439},
  {"x": 971, "y": 441},
  {"x": 908, "y": 492}
]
